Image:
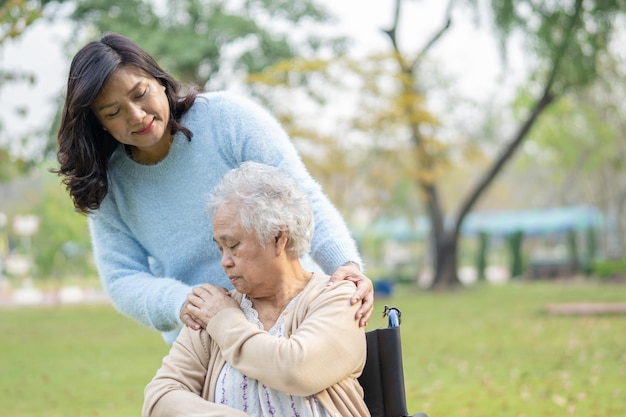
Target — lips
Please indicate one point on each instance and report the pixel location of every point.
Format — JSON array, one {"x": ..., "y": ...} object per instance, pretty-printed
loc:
[
  {"x": 234, "y": 278},
  {"x": 146, "y": 129}
]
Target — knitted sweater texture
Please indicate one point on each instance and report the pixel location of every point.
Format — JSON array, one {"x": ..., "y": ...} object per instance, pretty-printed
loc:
[{"x": 152, "y": 236}]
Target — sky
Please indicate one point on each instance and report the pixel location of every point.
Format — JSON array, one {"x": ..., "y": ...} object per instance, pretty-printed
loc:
[{"x": 469, "y": 54}]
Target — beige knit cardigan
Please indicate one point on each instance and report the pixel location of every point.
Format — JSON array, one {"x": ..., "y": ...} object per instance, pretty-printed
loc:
[{"x": 322, "y": 354}]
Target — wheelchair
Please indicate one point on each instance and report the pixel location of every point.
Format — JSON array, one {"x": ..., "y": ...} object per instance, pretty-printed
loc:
[{"x": 383, "y": 375}]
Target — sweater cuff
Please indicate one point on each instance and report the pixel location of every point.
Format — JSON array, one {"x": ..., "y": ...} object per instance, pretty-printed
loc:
[
  {"x": 224, "y": 323},
  {"x": 332, "y": 256}
]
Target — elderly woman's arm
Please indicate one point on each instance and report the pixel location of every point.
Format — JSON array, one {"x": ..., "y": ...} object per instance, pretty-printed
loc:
[
  {"x": 326, "y": 347},
  {"x": 176, "y": 390}
]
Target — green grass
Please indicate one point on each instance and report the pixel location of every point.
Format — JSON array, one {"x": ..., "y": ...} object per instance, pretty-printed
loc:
[
  {"x": 486, "y": 351},
  {"x": 74, "y": 361},
  {"x": 492, "y": 351}
]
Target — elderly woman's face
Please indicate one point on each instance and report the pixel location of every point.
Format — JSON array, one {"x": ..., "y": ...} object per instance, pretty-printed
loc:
[{"x": 249, "y": 265}]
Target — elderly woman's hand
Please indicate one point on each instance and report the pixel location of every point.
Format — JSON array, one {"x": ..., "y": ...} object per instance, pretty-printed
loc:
[
  {"x": 204, "y": 303},
  {"x": 364, "y": 290}
]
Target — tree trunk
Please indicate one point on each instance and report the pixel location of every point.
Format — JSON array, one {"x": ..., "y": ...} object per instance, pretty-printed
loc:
[
  {"x": 445, "y": 241},
  {"x": 446, "y": 275}
]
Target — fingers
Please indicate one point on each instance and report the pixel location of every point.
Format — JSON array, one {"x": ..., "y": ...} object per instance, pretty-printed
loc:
[
  {"x": 337, "y": 276},
  {"x": 348, "y": 271},
  {"x": 191, "y": 310},
  {"x": 364, "y": 313},
  {"x": 203, "y": 303},
  {"x": 365, "y": 294},
  {"x": 208, "y": 290},
  {"x": 203, "y": 290},
  {"x": 364, "y": 290},
  {"x": 188, "y": 318}
]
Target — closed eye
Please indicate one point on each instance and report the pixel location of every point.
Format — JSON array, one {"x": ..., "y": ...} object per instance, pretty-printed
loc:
[
  {"x": 115, "y": 113},
  {"x": 142, "y": 94}
]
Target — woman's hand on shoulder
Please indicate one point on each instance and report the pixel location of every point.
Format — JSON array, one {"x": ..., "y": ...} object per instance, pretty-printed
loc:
[
  {"x": 203, "y": 303},
  {"x": 188, "y": 319},
  {"x": 364, "y": 290}
]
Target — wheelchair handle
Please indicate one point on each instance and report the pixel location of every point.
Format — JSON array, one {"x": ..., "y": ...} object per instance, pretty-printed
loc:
[{"x": 394, "y": 316}]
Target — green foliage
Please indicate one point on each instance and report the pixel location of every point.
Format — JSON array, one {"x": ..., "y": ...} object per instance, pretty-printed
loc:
[
  {"x": 579, "y": 142},
  {"x": 481, "y": 255},
  {"x": 575, "y": 35},
  {"x": 195, "y": 39},
  {"x": 575, "y": 133},
  {"x": 609, "y": 268},
  {"x": 16, "y": 16},
  {"x": 10, "y": 167},
  {"x": 377, "y": 170},
  {"x": 62, "y": 247},
  {"x": 487, "y": 351},
  {"x": 515, "y": 241},
  {"x": 591, "y": 246}
]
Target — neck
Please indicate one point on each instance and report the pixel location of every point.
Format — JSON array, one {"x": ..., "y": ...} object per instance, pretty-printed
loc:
[
  {"x": 153, "y": 154},
  {"x": 271, "y": 306}
]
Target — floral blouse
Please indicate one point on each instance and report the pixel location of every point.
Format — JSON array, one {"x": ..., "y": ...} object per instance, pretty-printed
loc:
[{"x": 255, "y": 398}]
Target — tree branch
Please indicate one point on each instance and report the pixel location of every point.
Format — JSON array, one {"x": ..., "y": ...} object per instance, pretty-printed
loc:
[
  {"x": 547, "y": 97},
  {"x": 392, "y": 32},
  {"x": 436, "y": 36}
]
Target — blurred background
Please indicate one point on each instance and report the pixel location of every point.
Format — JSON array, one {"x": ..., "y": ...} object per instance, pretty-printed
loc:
[
  {"x": 461, "y": 140},
  {"x": 475, "y": 148}
]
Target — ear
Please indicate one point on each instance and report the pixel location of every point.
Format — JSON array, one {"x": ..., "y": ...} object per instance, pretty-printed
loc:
[{"x": 281, "y": 241}]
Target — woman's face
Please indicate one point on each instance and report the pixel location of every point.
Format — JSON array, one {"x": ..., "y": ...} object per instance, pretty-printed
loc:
[
  {"x": 249, "y": 265},
  {"x": 133, "y": 108}
]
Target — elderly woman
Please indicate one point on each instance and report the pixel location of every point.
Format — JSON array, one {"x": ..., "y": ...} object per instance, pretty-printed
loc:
[{"x": 284, "y": 342}]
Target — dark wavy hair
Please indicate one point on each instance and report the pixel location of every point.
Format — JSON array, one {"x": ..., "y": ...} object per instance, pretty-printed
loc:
[{"x": 84, "y": 147}]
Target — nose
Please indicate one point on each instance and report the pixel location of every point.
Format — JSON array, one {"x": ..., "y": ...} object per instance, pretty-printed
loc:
[
  {"x": 227, "y": 259},
  {"x": 136, "y": 113}
]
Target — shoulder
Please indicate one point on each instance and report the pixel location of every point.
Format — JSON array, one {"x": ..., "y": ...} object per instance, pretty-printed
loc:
[
  {"x": 225, "y": 114},
  {"x": 227, "y": 102},
  {"x": 235, "y": 118},
  {"x": 318, "y": 287}
]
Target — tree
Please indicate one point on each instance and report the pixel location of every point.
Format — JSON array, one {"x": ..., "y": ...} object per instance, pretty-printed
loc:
[
  {"x": 211, "y": 43},
  {"x": 567, "y": 39},
  {"x": 16, "y": 16},
  {"x": 564, "y": 43},
  {"x": 580, "y": 139}
]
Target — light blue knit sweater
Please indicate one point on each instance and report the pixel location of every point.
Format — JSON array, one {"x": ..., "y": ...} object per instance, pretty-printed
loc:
[{"x": 152, "y": 237}]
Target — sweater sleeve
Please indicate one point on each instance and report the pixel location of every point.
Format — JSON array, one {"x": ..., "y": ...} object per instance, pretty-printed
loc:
[
  {"x": 255, "y": 135},
  {"x": 127, "y": 278},
  {"x": 176, "y": 390},
  {"x": 326, "y": 347}
]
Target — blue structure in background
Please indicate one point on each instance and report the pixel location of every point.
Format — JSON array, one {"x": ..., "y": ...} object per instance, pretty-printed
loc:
[
  {"x": 559, "y": 222},
  {"x": 540, "y": 222}
]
